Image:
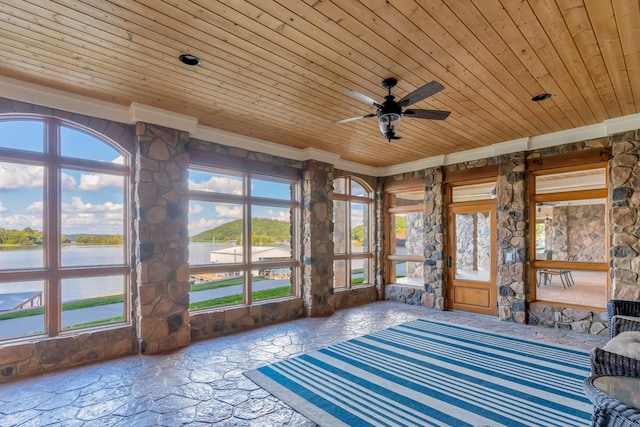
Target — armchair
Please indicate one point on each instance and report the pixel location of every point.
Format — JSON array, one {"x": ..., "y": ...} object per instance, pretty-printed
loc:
[
  {"x": 620, "y": 356},
  {"x": 623, "y": 316},
  {"x": 614, "y": 363}
]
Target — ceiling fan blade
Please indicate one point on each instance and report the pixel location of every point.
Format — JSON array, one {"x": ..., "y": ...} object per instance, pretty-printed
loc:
[
  {"x": 352, "y": 119},
  {"x": 364, "y": 98},
  {"x": 421, "y": 93},
  {"x": 427, "y": 114}
]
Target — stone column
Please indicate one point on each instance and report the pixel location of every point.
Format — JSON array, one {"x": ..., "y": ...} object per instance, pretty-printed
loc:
[
  {"x": 624, "y": 197},
  {"x": 512, "y": 237},
  {"x": 434, "y": 270},
  {"x": 161, "y": 197},
  {"x": 317, "y": 237}
]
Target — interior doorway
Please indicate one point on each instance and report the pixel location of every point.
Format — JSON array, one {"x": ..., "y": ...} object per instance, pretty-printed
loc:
[{"x": 471, "y": 255}]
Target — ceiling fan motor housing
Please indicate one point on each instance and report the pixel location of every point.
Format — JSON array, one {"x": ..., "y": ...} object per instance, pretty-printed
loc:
[{"x": 389, "y": 114}]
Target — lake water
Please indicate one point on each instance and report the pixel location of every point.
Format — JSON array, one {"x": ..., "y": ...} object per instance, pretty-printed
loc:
[{"x": 72, "y": 255}]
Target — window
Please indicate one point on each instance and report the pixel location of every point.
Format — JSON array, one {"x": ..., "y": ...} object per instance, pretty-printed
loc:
[
  {"x": 352, "y": 224},
  {"x": 570, "y": 241},
  {"x": 63, "y": 228},
  {"x": 242, "y": 229},
  {"x": 405, "y": 236}
]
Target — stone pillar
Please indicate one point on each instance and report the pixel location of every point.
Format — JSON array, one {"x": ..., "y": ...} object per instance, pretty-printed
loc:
[
  {"x": 624, "y": 196},
  {"x": 161, "y": 197},
  {"x": 512, "y": 237},
  {"x": 317, "y": 237},
  {"x": 434, "y": 267}
]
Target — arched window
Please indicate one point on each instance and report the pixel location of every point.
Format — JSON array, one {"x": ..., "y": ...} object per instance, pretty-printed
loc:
[
  {"x": 64, "y": 228},
  {"x": 352, "y": 228}
]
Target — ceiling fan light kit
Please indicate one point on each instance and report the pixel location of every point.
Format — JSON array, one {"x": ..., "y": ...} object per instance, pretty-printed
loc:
[{"x": 390, "y": 111}]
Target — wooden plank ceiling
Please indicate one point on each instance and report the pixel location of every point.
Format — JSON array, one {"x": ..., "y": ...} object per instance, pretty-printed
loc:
[{"x": 278, "y": 70}]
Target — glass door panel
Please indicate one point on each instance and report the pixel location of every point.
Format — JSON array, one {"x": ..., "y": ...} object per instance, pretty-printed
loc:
[
  {"x": 473, "y": 246},
  {"x": 471, "y": 257}
]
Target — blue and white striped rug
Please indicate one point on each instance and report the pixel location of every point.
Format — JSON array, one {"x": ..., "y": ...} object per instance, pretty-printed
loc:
[{"x": 428, "y": 373}]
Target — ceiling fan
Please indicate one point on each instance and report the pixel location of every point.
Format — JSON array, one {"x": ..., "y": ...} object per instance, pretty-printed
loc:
[{"x": 390, "y": 111}]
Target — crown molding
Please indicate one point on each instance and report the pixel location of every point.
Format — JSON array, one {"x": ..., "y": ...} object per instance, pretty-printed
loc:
[
  {"x": 145, "y": 113},
  {"x": 622, "y": 124},
  {"x": 583, "y": 133},
  {"x": 61, "y": 100}
]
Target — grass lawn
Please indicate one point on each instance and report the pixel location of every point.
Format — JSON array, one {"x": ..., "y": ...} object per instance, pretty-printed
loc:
[
  {"x": 282, "y": 291},
  {"x": 113, "y": 299}
]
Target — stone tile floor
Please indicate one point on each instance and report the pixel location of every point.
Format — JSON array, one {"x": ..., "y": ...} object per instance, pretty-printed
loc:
[{"x": 203, "y": 384}]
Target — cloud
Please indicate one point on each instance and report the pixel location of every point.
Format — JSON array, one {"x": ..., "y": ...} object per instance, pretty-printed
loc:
[
  {"x": 36, "y": 207},
  {"x": 281, "y": 215},
  {"x": 81, "y": 217},
  {"x": 202, "y": 224},
  {"x": 95, "y": 182},
  {"x": 118, "y": 160},
  {"x": 15, "y": 177},
  {"x": 2, "y": 208},
  {"x": 218, "y": 184},
  {"x": 18, "y": 222},
  {"x": 68, "y": 182},
  {"x": 19, "y": 177},
  {"x": 228, "y": 211},
  {"x": 79, "y": 207},
  {"x": 195, "y": 209}
]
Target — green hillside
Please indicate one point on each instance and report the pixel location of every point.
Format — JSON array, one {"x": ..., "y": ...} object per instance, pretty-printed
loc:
[{"x": 265, "y": 231}]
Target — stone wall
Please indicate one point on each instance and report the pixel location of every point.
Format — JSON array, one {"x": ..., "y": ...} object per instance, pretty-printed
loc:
[
  {"x": 625, "y": 216},
  {"x": 513, "y": 229},
  {"x": 434, "y": 241},
  {"x": 579, "y": 231},
  {"x": 209, "y": 324},
  {"x": 344, "y": 298},
  {"x": 317, "y": 239},
  {"x": 585, "y": 321},
  {"x": 161, "y": 197}
]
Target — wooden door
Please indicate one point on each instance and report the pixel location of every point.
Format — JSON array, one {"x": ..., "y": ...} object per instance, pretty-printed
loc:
[{"x": 472, "y": 257}]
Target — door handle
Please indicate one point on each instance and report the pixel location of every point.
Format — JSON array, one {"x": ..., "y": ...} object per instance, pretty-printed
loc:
[{"x": 450, "y": 262}]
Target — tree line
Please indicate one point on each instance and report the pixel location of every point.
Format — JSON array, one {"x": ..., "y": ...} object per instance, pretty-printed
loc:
[{"x": 30, "y": 237}]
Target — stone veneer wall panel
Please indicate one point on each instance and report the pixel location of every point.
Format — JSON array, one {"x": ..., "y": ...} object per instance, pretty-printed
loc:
[
  {"x": 28, "y": 357},
  {"x": 624, "y": 194},
  {"x": 512, "y": 224},
  {"x": 317, "y": 239},
  {"x": 162, "y": 252},
  {"x": 435, "y": 292}
]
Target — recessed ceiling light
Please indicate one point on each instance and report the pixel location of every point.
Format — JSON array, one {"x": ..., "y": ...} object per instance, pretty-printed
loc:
[
  {"x": 541, "y": 97},
  {"x": 188, "y": 59}
]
